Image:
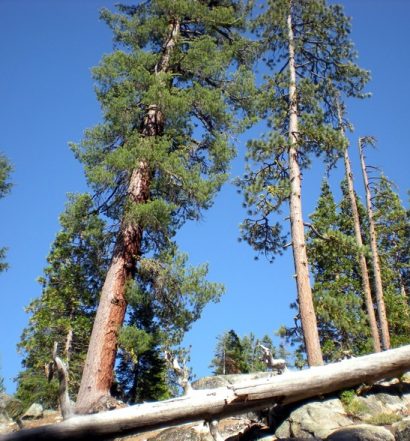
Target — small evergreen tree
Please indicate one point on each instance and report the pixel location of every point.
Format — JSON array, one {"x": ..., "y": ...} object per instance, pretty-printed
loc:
[
  {"x": 65, "y": 310},
  {"x": 392, "y": 224},
  {"x": 229, "y": 357},
  {"x": 2, "y": 387},
  {"x": 166, "y": 298},
  {"x": 235, "y": 355},
  {"x": 5, "y": 186},
  {"x": 337, "y": 293},
  {"x": 337, "y": 289}
]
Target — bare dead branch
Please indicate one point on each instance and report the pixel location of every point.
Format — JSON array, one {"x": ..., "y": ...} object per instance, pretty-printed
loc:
[
  {"x": 182, "y": 373},
  {"x": 58, "y": 367}
]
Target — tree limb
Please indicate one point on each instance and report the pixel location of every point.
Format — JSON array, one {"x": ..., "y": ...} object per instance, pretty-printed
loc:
[{"x": 59, "y": 367}]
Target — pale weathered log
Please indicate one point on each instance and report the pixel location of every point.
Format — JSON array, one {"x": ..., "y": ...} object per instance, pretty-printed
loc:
[{"x": 216, "y": 403}]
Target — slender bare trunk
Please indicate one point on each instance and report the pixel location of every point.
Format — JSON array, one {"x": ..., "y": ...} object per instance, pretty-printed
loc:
[
  {"x": 403, "y": 290},
  {"x": 384, "y": 327},
  {"x": 306, "y": 308},
  {"x": 68, "y": 349},
  {"x": 97, "y": 376},
  {"x": 358, "y": 236}
]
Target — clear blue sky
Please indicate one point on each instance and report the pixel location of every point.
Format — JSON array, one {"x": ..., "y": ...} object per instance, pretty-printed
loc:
[{"x": 47, "y": 49}]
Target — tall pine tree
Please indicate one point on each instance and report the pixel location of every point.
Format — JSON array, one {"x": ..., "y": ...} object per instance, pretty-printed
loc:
[
  {"x": 310, "y": 57},
  {"x": 162, "y": 150}
]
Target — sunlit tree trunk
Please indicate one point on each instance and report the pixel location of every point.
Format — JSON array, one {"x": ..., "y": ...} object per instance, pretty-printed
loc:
[
  {"x": 98, "y": 369},
  {"x": 358, "y": 236},
  {"x": 306, "y": 308},
  {"x": 384, "y": 327}
]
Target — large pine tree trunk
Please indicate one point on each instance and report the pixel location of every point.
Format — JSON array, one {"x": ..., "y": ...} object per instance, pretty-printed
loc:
[
  {"x": 384, "y": 327},
  {"x": 97, "y": 376},
  {"x": 306, "y": 307}
]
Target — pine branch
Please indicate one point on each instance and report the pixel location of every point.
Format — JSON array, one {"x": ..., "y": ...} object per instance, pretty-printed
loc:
[{"x": 314, "y": 229}]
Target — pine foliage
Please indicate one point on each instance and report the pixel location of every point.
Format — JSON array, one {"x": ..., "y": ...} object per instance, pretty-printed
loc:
[
  {"x": 188, "y": 160},
  {"x": 236, "y": 355},
  {"x": 337, "y": 285},
  {"x": 65, "y": 310},
  {"x": 337, "y": 288},
  {"x": 325, "y": 67},
  {"x": 5, "y": 186},
  {"x": 393, "y": 233}
]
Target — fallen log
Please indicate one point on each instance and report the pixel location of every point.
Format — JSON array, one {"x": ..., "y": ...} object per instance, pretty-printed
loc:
[{"x": 216, "y": 403}]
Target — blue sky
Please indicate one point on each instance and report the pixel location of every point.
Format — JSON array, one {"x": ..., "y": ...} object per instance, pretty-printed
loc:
[{"x": 47, "y": 49}]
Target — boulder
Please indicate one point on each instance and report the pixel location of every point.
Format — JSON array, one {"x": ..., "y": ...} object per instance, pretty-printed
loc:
[
  {"x": 184, "y": 433},
  {"x": 361, "y": 432},
  {"x": 34, "y": 412},
  {"x": 391, "y": 403},
  {"x": 293, "y": 439},
  {"x": 401, "y": 430},
  {"x": 314, "y": 419},
  {"x": 10, "y": 408},
  {"x": 227, "y": 380}
]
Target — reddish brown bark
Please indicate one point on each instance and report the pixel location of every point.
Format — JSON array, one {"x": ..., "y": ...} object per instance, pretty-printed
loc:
[
  {"x": 97, "y": 376},
  {"x": 306, "y": 307},
  {"x": 381, "y": 308}
]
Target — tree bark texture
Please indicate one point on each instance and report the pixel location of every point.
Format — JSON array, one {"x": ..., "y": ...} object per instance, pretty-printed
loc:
[
  {"x": 306, "y": 307},
  {"x": 217, "y": 403},
  {"x": 358, "y": 236},
  {"x": 98, "y": 369},
  {"x": 381, "y": 309}
]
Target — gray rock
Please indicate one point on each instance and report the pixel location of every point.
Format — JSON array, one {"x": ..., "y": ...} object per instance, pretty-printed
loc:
[
  {"x": 315, "y": 419},
  {"x": 228, "y": 380},
  {"x": 10, "y": 427},
  {"x": 392, "y": 403},
  {"x": 34, "y": 412},
  {"x": 295, "y": 439},
  {"x": 187, "y": 433},
  {"x": 401, "y": 430},
  {"x": 10, "y": 408},
  {"x": 362, "y": 432},
  {"x": 371, "y": 406}
]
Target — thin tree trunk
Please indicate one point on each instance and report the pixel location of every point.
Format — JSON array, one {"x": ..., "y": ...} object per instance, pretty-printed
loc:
[
  {"x": 384, "y": 327},
  {"x": 306, "y": 307},
  {"x": 97, "y": 376},
  {"x": 211, "y": 404},
  {"x": 358, "y": 236},
  {"x": 68, "y": 348}
]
